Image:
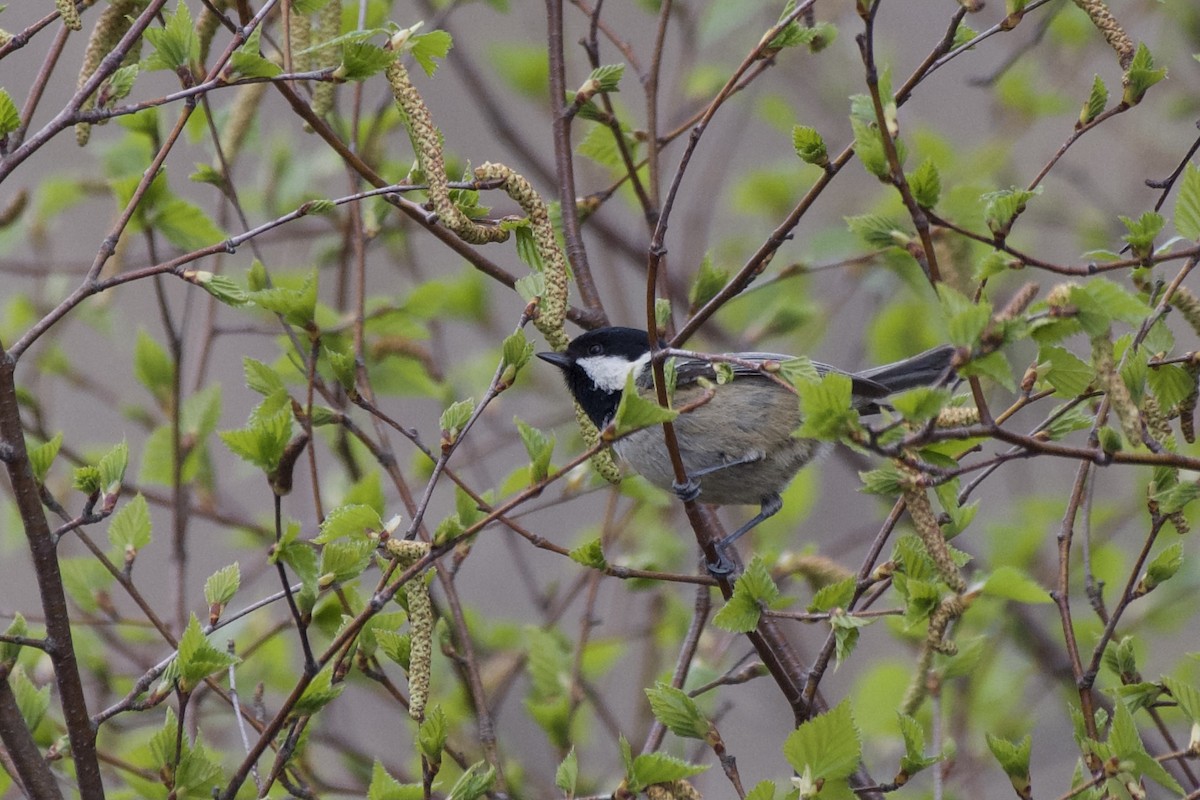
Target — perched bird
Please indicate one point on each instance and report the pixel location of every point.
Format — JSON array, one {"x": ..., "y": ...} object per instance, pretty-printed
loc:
[{"x": 738, "y": 447}]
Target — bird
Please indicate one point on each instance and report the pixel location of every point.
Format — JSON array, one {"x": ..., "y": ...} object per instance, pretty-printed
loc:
[{"x": 738, "y": 446}]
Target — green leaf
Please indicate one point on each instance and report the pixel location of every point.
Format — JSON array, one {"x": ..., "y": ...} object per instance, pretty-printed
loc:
[
  {"x": 320, "y": 693},
  {"x": 1186, "y": 696},
  {"x": 176, "y": 44},
  {"x": 343, "y": 560},
  {"x": 427, "y": 47},
  {"x": 1141, "y": 75},
  {"x": 1014, "y": 760},
  {"x": 10, "y": 117},
  {"x": 262, "y": 442},
  {"x": 1001, "y": 207},
  {"x": 1165, "y": 565},
  {"x": 248, "y": 61},
  {"x": 9, "y": 651},
  {"x": 1067, "y": 373},
  {"x": 914, "y": 759},
  {"x": 763, "y": 790},
  {"x": 432, "y": 735},
  {"x": 1170, "y": 383},
  {"x": 879, "y": 231},
  {"x": 222, "y": 585},
  {"x": 590, "y": 554},
  {"x": 606, "y": 77},
  {"x": 673, "y": 708},
  {"x": 1127, "y": 743},
  {"x": 926, "y": 184},
  {"x": 1187, "y": 204},
  {"x": 1101, "y": 301},
  {"x": 361, "y": 60},
  {"x": 828, "y": 413},
  {"x": 920, "y": 404},
  {"x": 473, "y": 783},
  {"x": 296, "y": 306},
  {"x": 1095, "y": 103},
  {"x": 349, "y": 522},
  {"x": 41, "y": 457},
  {"x": 540, "y": 448},
  {"x": 260, "y": 378},
  {"x": 1174, "y": 498},
  {"x": 742, "y": 611},
  {"x": 835, "y": 595},
  {"x": 32, "y": 702},
  {"x": 197, "y": 658},
  {"x": 129, "y": 529},
  {"x": 153, "y": 367},
  {"x": 709, "y": 280},
  {"x": 384, "y": 787},
  {"x": 455, "y": 418},
  {"x": 635, "y": 412},
  {"x": 566, "y": 776},
  {"x": 1142, "y": 232},
  {"x": 652, "y": 768},
  {"x": 809, "y": 145},
  {"x": 517, "y": 350},
  {"x": 827, "y": 747},
  {"x": 1013, "y": 584}
]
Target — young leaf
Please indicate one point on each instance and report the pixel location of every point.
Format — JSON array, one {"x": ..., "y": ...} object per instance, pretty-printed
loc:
[
  {"x": 384, "y": 787},
  {"x": 828, "y": 747},
  {"x": 129, "y": 529},
  {"x": 1094, "y": 105},
  {"x": 176, "y": 44},
  {"x": 914, "y": 759},
  {"x": 926, "y": 184},
  {"x": 828, "y": 413},
  {"x": 566, "y": 776},
  {"x": 153, "y": 367},
  {"x": 589, "y": 554},
  {"x": 426, "y": 47},
  {"x": 1012, "y": 584},
  {"x": 197, "y": 658},
  {"x": 1014, "y": 760},
  {"x": 1187, "y": 204},
  {"x": 455, "y": 418},
  {"x": 742, "y": 611},
  {"x": 709, "y": 280},
  {"x": 673, "y": 708},
  {"x": 540, "y": 448},
  {"x": 10, "y": 117},
  {"x": 1141, "y": 75},
  {"x": 349, "y": 521},
  {"x": 320, "y": 693},
  {"x": 809, "y": 145},
  {"x": 222, "y": 585},
  {"x": 635, "y": 412},
  {"x": 41, "y": 457},
  {"x": 652, "y": 768}
]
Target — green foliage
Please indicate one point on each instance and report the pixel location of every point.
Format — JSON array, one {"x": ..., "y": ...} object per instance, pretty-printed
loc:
[
  {"x": 1187, "y": 204},
  {"x": 540, "y": 448},
  {"x": 825, "y": 751},
  {"x": 1095, "y": 103},
  {"x": 753, "y": 591},
  {"x": 635, "y": 411},
  {"x": 10, "y": 117},
  {"x": 673, "y": 708},
  {"x": 809, "y": 145},
  {"x": 428, "y": 48},
  {"x": 1141, "y": 75},
  {"x": 176, "y": 44},
  {"x": 196, "y": 658},
  {"x": 222, "y": 585},
  {"x": 828, "y": 413}
]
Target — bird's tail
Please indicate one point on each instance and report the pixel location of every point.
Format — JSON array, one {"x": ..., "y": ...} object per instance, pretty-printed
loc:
[{"x": 919, "y": 370}]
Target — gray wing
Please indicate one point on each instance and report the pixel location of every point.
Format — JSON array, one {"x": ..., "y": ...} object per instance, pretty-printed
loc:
[{"x": 690, "y": 370}]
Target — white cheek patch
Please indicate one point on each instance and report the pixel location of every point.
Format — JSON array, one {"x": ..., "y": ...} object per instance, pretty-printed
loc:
[{"x": 609, "y": 373}]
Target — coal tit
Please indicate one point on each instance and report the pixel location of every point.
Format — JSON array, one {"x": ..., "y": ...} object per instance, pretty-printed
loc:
[{"x": 738, "y": 447}]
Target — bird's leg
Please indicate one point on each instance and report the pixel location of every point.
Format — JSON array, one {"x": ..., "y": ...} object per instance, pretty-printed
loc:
[
  {"x": 690, "y": 488},
  {"x": 770, "y": 507}
]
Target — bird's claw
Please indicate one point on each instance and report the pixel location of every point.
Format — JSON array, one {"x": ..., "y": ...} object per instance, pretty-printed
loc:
[
  {"x": 688, "y": 490},
  {"x": 721, "y": 568}
]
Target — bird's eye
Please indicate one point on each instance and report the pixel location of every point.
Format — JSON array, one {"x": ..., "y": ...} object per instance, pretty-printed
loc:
[{"x": 595, "y": 350}]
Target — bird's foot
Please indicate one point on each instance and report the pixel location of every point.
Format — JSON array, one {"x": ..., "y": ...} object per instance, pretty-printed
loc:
[{"x": 688, "y": 490}]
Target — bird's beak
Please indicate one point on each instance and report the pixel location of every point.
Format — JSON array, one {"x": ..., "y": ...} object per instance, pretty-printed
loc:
[{"x": 560, "y": 360}]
